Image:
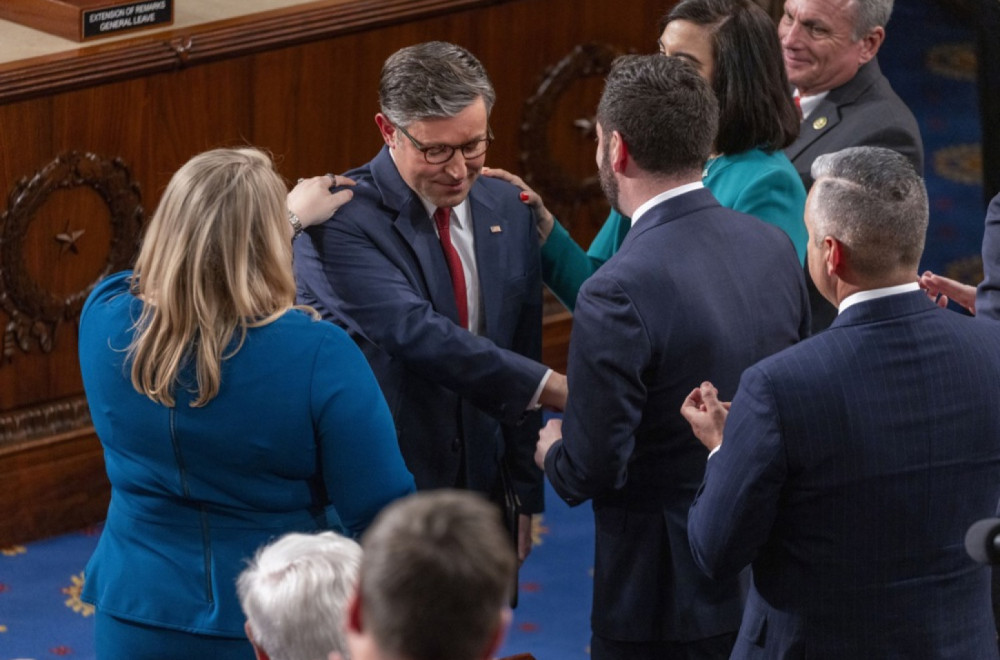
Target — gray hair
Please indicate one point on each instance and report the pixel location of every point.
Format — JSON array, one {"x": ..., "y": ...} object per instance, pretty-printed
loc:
[
  {"x": 666, "y": 112},
  {"x": 870, "y": 14},
  {"x": 430, "y": 81},
  {"x": 436, "y": 576},
  {"x": 295, "y": 592},
  {"x": 874, "y": 202}
]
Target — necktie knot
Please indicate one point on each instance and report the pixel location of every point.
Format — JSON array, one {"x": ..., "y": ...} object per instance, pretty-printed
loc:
[{"x": 442, "y": 218}]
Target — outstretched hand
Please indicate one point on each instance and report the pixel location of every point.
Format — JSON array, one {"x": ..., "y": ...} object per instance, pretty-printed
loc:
[
  {"x": 940, "y": 289},
  {"x": 706, "y": 414},
  {"x": 313, "y": 202},
  {"x": 543, "y": 218}
]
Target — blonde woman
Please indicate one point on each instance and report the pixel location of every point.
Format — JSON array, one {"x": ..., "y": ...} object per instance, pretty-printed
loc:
[{"x": 228, "y": 415}]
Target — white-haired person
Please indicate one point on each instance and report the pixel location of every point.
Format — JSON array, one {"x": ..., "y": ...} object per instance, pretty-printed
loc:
[
  {"x": 228, "y": 415},
  {"x": 294, "y": 594}
]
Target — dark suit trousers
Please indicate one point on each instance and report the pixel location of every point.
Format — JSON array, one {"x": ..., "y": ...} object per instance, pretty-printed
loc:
[{"x": 712, "y": 648}]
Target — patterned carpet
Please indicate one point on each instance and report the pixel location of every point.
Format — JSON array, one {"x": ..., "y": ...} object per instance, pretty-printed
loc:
[
  {"x": 930, "y": 61},
  {"x": 42, "y": 617}
]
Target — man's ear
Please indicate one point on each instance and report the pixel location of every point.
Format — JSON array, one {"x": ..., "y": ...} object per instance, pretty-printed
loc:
[
  {"x": 496, "y": 639},
  {"x": 353, "y": 623},
  {"x": 258, "y": 652},
  {"x": 833, "y": 255},
  {"x": 386, "y": 128},
  {"x": 870, "y": 43},
  {"x": 619, "y": 152}
]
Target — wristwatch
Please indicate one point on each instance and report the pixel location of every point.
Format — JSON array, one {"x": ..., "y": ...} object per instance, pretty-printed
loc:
[{"x": 296, "y": 224}]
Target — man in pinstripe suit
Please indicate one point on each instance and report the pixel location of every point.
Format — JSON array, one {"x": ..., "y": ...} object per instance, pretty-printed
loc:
[{"x": 854, "y": 462}]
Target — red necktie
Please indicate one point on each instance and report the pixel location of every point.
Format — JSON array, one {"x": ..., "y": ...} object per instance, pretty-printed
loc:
[
  {"x": 442, "y": 217},
  {"x": 798, "y": 106}
]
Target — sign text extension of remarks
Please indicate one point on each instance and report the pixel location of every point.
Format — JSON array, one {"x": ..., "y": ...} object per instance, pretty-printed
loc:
[{"x": 102, "y": 22}]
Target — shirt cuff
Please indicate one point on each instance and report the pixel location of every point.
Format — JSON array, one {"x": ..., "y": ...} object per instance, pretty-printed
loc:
[{"x": 533, "y": 404}]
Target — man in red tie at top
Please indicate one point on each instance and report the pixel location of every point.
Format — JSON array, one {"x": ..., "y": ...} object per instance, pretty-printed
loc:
[
  {"x": 830, "y": 49},
  {"x": 435, "y": 271}
]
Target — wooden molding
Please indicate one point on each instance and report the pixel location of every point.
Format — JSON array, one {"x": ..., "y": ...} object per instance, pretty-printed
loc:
[{"x": 172, "y": 49}]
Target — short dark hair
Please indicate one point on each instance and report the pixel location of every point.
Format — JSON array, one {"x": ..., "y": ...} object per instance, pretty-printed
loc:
[
  {"x": 873, "y": 201},
  {"x": 663, "y": 109},
  {"x": 756, "y": 109},
  {"x": 432, "y": 80},
  {"x": 436, "y": 576}
]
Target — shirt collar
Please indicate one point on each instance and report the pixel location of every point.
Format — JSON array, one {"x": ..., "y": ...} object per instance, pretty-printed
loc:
[
  {"x": 664, "y": 196},
  {"x": 809, "y": 103},
  {"x": 874, "y": 294},
  {"x": 458, "y": 213}
]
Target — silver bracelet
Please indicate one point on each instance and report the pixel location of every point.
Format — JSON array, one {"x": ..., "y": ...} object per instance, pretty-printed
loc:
[{"x": 296, "y": 224}]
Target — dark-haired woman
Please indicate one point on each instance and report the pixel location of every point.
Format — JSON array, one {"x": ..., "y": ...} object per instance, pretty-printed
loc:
[{"x": 734, "y": 45}]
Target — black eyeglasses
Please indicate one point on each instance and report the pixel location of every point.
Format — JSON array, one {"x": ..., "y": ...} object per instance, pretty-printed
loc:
[{"x": 441, "y": 153}]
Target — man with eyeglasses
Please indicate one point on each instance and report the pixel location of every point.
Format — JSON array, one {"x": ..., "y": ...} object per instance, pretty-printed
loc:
[{"x": 436, "y": 273}]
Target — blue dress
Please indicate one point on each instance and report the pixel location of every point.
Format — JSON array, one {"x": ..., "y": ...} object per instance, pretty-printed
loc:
[{"x": 299, "y": 438}]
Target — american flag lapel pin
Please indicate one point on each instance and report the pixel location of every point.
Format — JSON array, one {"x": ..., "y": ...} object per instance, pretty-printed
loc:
[{"x": 495, "y": 229}]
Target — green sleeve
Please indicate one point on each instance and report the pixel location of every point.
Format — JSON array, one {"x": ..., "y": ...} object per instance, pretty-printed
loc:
[
  {"x": 565, "y": 266},
  {"x": 779, "y": 200}
]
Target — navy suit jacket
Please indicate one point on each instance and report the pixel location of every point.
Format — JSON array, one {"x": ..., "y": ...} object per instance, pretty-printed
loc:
[
  {"x": 458, "y": 399},
  {"x": 696, "y": 292},
  {"x": 988, "y": 293},
  {"x": 851, "y": 468},
  {"x": 865, "y": 111}
]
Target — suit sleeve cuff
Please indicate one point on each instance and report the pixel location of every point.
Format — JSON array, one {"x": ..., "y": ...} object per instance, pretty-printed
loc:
[{"x": 533, "y": 404}]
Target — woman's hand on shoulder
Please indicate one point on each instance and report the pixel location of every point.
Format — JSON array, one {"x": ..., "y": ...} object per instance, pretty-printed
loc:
[
  {"x": 940, "y": 289},
  {"x": 544, "y": 219},
  {"x": 313, "y": 201}
]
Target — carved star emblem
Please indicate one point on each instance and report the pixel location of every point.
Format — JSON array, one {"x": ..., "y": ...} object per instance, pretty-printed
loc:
[{"x": 67, "y": 239}]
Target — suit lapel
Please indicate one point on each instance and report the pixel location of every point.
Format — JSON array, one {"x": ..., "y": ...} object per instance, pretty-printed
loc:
[
  {"x": 826, "y": 115},
  {"x": 491, "y": 255},
  {"x": 820, "y": 121},
  {"x": 417, "y": 230}
]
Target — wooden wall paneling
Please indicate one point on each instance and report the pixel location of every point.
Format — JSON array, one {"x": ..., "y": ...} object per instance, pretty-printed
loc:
[{"x": 53, "y": 485}]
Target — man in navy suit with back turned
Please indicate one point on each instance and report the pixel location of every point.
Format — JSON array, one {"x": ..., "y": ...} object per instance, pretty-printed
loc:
[
  {"x": 695, "y": 288},
  {"x": 853, "y": 463},
  {"x": 435, "y": 272}
]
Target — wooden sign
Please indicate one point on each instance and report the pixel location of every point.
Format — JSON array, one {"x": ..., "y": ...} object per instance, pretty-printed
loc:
[{"x": 81, "y": 20}]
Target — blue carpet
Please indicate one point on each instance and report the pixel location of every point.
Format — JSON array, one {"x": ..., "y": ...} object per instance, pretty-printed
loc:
[
  {"x": 552, "y": 619},
  {"x": 929, "y": 59},
  {"x": 42, "y": 617}
]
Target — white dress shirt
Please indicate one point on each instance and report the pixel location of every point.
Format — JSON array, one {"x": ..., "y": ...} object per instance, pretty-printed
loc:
[
  {"x": 809, "y": 103},
  {"x": 664, "y": 196}
]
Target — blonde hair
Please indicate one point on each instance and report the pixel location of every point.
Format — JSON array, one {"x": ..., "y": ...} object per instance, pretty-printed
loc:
[{"x": 215, "y": 261}]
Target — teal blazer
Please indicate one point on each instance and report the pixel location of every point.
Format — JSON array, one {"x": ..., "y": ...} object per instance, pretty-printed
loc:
[
  {"x": 299, "y": 438},
  {"x": 761, "y": 184}
]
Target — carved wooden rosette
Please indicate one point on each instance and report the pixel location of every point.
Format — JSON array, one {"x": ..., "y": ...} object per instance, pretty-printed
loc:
[
  {"x": 35, "y": 313},
  {"x": 541, "y": 170},
  {"x": 552, "y": 124}
]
